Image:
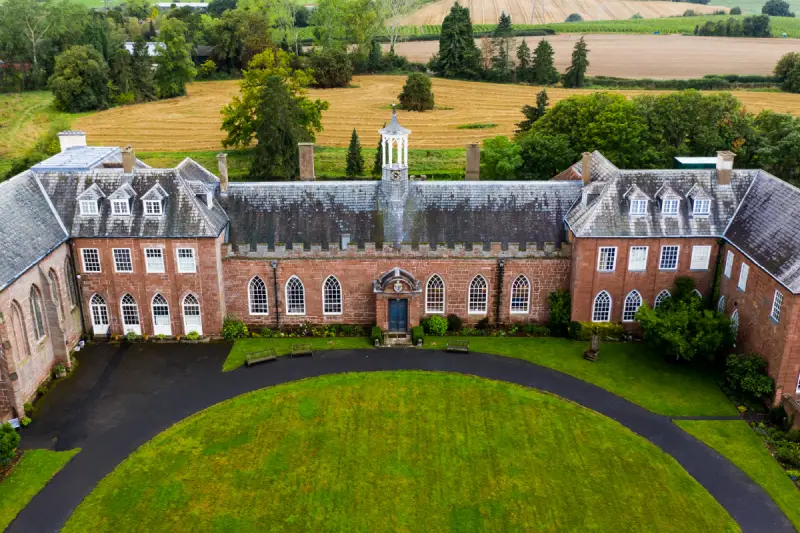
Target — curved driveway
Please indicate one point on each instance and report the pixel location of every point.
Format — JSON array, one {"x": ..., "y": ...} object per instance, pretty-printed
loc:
[{"x": 121, "y": 397}]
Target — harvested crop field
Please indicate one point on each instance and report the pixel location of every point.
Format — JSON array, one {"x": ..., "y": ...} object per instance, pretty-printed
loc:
[
  {"x": 652, "y": 56},
  {"x": 193, "y": 122}
]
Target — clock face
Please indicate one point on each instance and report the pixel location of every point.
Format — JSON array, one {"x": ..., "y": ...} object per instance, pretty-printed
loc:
[{"x": 395, "y": 175}]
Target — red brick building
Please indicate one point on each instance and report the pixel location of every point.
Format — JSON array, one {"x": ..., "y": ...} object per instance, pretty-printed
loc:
[{"x": 114, "y": 246}]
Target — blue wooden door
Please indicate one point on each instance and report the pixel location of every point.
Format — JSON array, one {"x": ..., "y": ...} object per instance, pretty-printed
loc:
[{"x": 398, "y": 315}]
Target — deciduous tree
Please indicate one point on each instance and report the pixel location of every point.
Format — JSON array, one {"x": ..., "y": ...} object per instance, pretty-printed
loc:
[
  {"x": 80, "y": 80},
  {"x": 332, "y": 68},
  {"x": 175, "y": 67},
  {"x": 417, "y": 94},
  {"x": 501, "y": 159},
  {"x": 534, "y": 113}
]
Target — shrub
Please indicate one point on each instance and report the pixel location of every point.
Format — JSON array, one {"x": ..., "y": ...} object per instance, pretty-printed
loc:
[
  {"x": 233, "y": 328},
  {"x": 776, "y": 8},
  {"x": 454, "y": 323},
  {"x": 535, "y": 330},
  {"x": 789, "y": 453},
  {"x": 332, "y": 68},
  {"x": 636, "y": 16},
  {"x": 25, "y": 421},
  {"x": 560, "y": 312},
  {"x": 376, "y": 335},
  {"x": 9, "y": 439},
  {"x": 483, "y": 324},
  {"x": 192, "y": 336},
  {"x": 435, "y": 325},
  {"x": 207, "y": 69},
  {"x": 735, "y": 11},
  {"x": 607, "y": 331},
  {"x": 777, "y": 417},
  {"x": 417, "y": 333},
  {"x": 131, "y": 336},
  {"x": 417, "y": 94},
  {"x": 793, "y": 435},
  {"x": 574, "y": 17},
  {"x": 747, "y": 374}
]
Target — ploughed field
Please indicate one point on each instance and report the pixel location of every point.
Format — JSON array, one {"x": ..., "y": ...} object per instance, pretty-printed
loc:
[
  {"x": 193, "y": 122},
  {"x": 399, "y": 451}
]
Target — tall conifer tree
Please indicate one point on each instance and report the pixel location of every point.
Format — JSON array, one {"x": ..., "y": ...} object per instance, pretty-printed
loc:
[
  {"x": 576, "y": 73},
  {"x": 524, "y": 73},
  {"x": 458, "y": 55},
  {"x": 544, "y": 70},
  {"x": 355, "y": 159}
]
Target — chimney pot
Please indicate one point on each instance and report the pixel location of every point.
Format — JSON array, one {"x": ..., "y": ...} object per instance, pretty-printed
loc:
[
  {"x": 68, "y": 139},
  {"x": 128, "y": 159},
  {"x": 306, "y": 161},
  {"x": 586, "y": 167},
  {"x": 473, "y": 162},
  {"x": 724, "y": 167},
  {"x": 222, "y": 165}
]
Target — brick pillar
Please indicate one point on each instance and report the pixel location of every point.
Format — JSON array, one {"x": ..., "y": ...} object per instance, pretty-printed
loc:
[
  {"x": 306, "y": 161},
  {"x": 473, "y": 162}
]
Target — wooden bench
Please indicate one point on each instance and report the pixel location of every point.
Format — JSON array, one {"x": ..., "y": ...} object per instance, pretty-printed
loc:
[
  {"x": 300, "y": 349},
  {"x": 259, "y": 357},
  {"x": 457, "y": 346}
]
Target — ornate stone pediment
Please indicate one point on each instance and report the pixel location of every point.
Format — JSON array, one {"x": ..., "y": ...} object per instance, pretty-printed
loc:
[{"x": 396, "y": 281}]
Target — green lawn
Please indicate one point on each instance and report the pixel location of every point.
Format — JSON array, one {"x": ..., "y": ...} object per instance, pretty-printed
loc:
[
  {"x": 29, "y": 476},
  {"x": 739, "y": 443},
  {"x": 399, "y": 451},
  {"x": 242, "y": 347}
]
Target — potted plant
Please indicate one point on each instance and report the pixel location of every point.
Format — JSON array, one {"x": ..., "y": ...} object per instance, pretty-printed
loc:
[
  {"x": 193, "y": 337},
  {"x": 60, "y": 371}
]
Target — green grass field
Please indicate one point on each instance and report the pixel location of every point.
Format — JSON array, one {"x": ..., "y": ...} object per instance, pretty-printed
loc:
[
  {"x": 739, "y": 443},
  {"x": 399, "y": 451},
  {"x": 242, "y": 347},
  {"x": 32, "y": 473}
]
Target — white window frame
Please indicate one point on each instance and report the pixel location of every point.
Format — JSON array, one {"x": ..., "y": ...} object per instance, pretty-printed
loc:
[
  {"x": 631, "y": 266},
  {"x": 638, "y": 207},
  {"x": 777, "y": 304},
  {"x": 670, "y": 201},
  {"x": 695, "y": 263},
  {"x": 744, "y": 272},
  {"x": 89, "y": 208},
  {"x": 325, "y": 301},
  {"x": 286, "y": 296},
  {"x": 83, "y": 260},
  {"x": 729, "y": 264},
  {"x": 250, "y": 301},
  {"x": 677, "y": 257},
  {"x": 152, "y": 208},
  {"x": 473, "y": 310},
  {"x": 147, "y": 261},
  {"x": 601, "y": 263},
  {"x": 610, "y": 306},
  {"x": 797, "y": 388},
  {"x": 660, "y": 297},
  {"x": 131, "y": 311},
  {"x": 428, "y": 309},
  {"x": 123, "y": 205},
  {"x": 527, "y": 287},
  {"x": 701, "y": 212},
  {"x": 636, "y": 294},
  {"x": 181, "y": 269},
  {"x": 116, "y": 263},
  {"x": 721, "y": 304},
  {"x": 185, "y": 305},
  {"x": 735, "y": 323}
]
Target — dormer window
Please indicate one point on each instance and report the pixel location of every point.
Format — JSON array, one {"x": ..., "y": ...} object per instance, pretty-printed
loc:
[
  {"x": 637, "y": 200},
  {"x": 702, "y": 207},
  {"x": 89, "y": 208},
  {"x": 120, "y": 207},
  {"x": 153, "y": 208},
  {"x": 701, "y": 201},
  {"x": 638, "y": 207},
  {"x": 154, "y": 200},
  {"x": 670, "y": 206}
]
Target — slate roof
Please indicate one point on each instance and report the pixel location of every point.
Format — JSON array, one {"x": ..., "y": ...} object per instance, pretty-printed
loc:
[
  {"x": 29, "y": 228},
  {"x": 84, "y": 158}
]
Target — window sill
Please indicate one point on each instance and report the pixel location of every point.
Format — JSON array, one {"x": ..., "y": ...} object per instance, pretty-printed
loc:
[
  {"x": 155, "y": 272},
  {"x": 259, "y": 314},
  {"x": 668, "y": 269},
  {"x": 429, "y": 312},
  {"x": 295, "y": 314},
  {"x": 640, "y": 270},
  {"x": 741, "y": 289},
  {"x": 332, "y": 314},
  {"x": 606, "y": 271},
  {"x": 773, "y": 320},
  {"x": 698, "y": 269},
  {"x": 476, "y": 312},
  {"x": 519, "y": 312}
]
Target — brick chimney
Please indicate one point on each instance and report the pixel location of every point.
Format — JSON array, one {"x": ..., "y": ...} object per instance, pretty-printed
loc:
[
  {"x": 128, "y": 159},
  {"x": 724, "y": 167},
  {"x": 70, "y": 138},
  {"x": 586, "y": 167},
  {"x": 473, "y": 162},
  {"x": 222, "y": 165},
  {"x": 306, "y": 161}
]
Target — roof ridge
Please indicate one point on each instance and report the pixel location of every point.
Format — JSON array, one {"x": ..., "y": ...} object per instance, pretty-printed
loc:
[
  {"x": 50, "y": 204},
  {"x": 193, "y": 197}
]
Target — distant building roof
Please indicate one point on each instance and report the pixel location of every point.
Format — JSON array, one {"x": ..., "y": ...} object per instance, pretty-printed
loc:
[
  {"x": 78, "y": 158},
  {"x": 152, "y": 48},
  {"x": 697, "y": 160},
  {"x": 200, "y": 6}
]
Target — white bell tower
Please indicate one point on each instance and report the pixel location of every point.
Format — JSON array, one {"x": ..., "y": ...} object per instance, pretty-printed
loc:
[{"x": 394, "y": 144}]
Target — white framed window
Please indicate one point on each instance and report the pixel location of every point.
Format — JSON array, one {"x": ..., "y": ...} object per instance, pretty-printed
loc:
[
  {"x": 478, "y": 297},
  {"x": 192, "y": 319},
  {"x": 670, "y": 206},
  {"x": 777, "y": 303},
  {"x": 257, "y": 296},
  {"x": 154, "y": 260},
  {"x": 729, "y": 264},
  {"x": 91, "y": 259},
  {"x": 721, "y": 304},
  {"x": 701, "y": 255},
  {"x": 161, "y": 314},
  {"x": 638, "y": 207},
  {"x": 697, "y": 293},
  {"x": 120, "y": 207},
  {"x": 153, "y": 208},
  {"x": 701, "y": 207},
  {"x": 520, "y": 295},
  {"x": 55, "y": 294},
  {"x": 637, "y": 259},
  {"x": 130, "y": 314},
  {"x": 89, "y": 207},
  {"x": 632, "y": 304},
  {"x": 607, "y": 259},
  {"x": 663, "y": 295},
  {"x": 331, "y": 296},
  {"x": 669, "y": 258},
  {"x": 122, "y": 260},
  {"x": 186, "y": 261},
  {"x": 434, "y": 295},
  {"x": 743, "y": 273},
  {"x": 797, "y": 388},
  {"x": 735, "y": 323},
  {"x": 601, "y": 310},
  {"x": 69, "y": 272},
  {"x": 99, "y": 314},
  {"x": 37, "y": 315},
  {"x": 295, "y": 297}
]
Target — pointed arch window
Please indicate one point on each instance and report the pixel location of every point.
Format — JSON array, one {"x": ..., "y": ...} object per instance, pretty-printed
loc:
[
  {"x": 434, "y": 295},
  {"x": 257, "y": 296},
  {"x": 520, "y": 295},
  {"x": 632, "y": 304},
  {"x": 601, "y": 310},
  {"x": 73, "y": 288},
  {"x": 192, "y": 319},
  {"x": 130, "y": 314},
  {"x": 52, "y": 279},
  {"x": 662, "y": 296},
  {"x": 160, "y": 312},
  {"x": 99, "y": 314},
  {"x": 697, "y": 293},
  {"x": 478, "y": 296},
  {"x": 37, "y": 313},
  {"x": 332, "y": 296},
  {"x": 295, "y": 297},
  {"x": 721, "y": 304},
  {"x": 735, "y": 323},
  {"x": 20, "y": 331}
]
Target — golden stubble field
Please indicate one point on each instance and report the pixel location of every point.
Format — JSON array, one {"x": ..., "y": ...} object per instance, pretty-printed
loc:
[{"x": 193, "y": 122}]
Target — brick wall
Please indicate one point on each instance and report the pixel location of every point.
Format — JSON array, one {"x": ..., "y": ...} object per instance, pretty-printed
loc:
[
  {"x": 777, "y": 341},
  {"x": 357, "y": 274},
  {"x": 587, "y": 281},
  {"x": 205, "y": 284}
]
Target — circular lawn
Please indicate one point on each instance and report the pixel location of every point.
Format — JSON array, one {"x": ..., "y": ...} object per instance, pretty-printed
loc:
[{"x": 398, "y": 451}]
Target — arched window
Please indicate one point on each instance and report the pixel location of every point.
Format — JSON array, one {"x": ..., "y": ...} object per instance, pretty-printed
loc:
[
  {"x": 99, "y": 315},
  {"x": 161, "y": 321},
  {"x": 295, "y": 297},
  {"x": 257, "y": 296},
  {"x": 20, "y": 332},
  {"x": 520, "y": 295},
  {"x": 721, "y": 304},
  {"x": 192, "y": 320},
  {"x": 478, "y": 295},
  {"x": 332, "y": 296},
  {"x": 434, "y": 295},
  {"x": 663, "y": 295},
  {"x": 71, "y": 285},
  {"x": 697, "y": 293},
  {"x": 130, "y": 315},
  {"x": 36, "y": 313},
  {"x": 54, "y": 293},
  {"x": 632, "y": 304},
  {"x": 735, "y": 323},
  {"x": 601, "y": 312}
]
